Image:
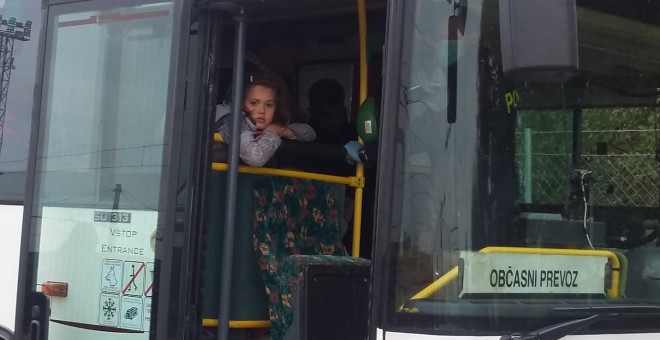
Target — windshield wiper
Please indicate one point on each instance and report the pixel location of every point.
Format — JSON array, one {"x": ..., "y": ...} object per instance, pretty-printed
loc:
[{"x": 562, "y": 329}]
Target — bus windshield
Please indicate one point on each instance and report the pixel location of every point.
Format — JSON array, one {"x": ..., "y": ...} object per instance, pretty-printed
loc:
[{"x": 511, "y": 200}]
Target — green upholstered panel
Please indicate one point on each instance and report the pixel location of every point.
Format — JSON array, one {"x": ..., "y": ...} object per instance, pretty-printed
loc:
[{"x": 248, "y": 297}]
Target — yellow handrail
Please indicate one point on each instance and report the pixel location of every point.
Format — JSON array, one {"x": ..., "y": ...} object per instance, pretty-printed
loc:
[
  {"x": 350, "y": 181},
  {"x": 238, "y": 323},
  {"x": 364, "y": 71},
  {"x": 612, "y": 293},
  {"x": 359, "y": 171}
]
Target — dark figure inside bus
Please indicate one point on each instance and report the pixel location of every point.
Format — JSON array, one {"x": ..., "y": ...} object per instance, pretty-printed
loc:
[
  {"x": 265, "y": 122},
  {"x": 328, "y": 114},
  {"x": 336, "y": 149},
  {"x": 329, "y": 118}
]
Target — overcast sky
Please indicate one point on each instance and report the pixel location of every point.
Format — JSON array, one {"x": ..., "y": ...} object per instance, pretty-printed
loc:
[
  {"x": 13, "y": 155},
  {"x": 18, "y": 117}
]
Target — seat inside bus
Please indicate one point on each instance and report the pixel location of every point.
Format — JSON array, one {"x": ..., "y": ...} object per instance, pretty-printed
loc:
[
  {"x": 248, "y": 299},
  {"x": 290, "y": 225},
  {"x": 297, "y": 225}
]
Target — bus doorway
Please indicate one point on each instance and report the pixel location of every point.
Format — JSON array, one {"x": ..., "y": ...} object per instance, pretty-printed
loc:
[{"x": 302, "y": 44}]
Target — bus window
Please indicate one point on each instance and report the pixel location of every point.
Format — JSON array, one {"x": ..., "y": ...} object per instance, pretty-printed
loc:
[
  {"x": 539, "y": 194},
  {"x": 99, "y": 164}
]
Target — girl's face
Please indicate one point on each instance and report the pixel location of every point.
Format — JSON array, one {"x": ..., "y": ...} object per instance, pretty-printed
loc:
[{"x": 260, "y": 105}]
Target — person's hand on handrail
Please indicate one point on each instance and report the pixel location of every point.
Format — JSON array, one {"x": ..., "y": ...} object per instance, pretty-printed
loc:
[{"x": 353, "y": 151}]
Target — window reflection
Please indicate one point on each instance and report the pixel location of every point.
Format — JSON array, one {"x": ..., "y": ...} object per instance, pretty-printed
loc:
[
  {"x": 99, "y": 167},
  {"x": 104, "y": 112},
  {"x": 566, "y": 167}
]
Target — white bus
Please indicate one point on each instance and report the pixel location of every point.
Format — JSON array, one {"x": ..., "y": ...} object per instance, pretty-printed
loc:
[{"x": 512, "y": 192}]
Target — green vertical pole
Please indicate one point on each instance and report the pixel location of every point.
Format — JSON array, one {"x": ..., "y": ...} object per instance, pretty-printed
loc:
[{"x": 527, "y": 165}]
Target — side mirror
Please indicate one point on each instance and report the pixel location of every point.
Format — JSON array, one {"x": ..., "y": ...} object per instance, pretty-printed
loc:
[{"x": 539, "y": 39}]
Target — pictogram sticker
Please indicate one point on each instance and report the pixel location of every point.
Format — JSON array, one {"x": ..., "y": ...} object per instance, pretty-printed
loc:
[
  {"x": 131, "y": 312},
  {"x": 147, "y": 314},
  {"x": 111, "y": 275},
  {"x": 109, "y": 310},
  {"x": 133, "y": 278},
  {"x": 149, "y": 279}
]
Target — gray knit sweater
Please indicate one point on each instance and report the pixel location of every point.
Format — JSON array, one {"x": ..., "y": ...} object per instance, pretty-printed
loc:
[{"x": 257, "y": 151}]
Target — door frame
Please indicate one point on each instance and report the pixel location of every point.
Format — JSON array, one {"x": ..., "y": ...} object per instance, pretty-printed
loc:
[
  {"x": 380, "y": 316},
  {"x": 166, "y": 257}
]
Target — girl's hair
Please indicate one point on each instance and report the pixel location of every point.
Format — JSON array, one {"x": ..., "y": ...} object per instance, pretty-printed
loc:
[{"x": 283, "y": 110}]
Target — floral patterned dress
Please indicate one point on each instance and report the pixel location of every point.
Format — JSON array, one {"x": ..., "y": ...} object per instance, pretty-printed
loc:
[{"x": 293, "y": 217}]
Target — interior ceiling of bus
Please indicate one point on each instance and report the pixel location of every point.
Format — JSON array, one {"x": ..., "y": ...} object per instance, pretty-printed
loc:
[
  {"x": 619, "y": 49},
  {"x": 615, "y": 45},
  {"x": 647, "y": 11},
  {"x": 619, "y": 59},
  {"x": 279, "y": 9},
  {"x": 619, "y": 46}
]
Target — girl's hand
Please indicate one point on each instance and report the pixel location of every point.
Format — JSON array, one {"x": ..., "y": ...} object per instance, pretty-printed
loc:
[{"x": 280, "y": 130}]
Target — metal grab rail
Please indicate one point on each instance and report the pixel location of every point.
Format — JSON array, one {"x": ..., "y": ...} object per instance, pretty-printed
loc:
[
  {"x": 615, "y": 264},
  {"x": 364, "y": 77},
  {"x": 218, "y": 138},
  {"x": 357, "y": 182},
  {"x": 243, "y": 324},
  {"x": 351, "y": 181}
]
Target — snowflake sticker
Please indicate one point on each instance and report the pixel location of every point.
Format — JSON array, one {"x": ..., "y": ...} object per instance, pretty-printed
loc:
[{"x": 109, "y": 310}]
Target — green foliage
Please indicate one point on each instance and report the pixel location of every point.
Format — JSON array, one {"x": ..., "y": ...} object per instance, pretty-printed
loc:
[{"x": 620, "y": 145}]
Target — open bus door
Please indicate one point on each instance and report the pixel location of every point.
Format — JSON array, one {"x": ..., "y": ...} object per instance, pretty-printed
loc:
[
  {"x": 99, "y": 228},
  {"x": 235, "y": 301}
]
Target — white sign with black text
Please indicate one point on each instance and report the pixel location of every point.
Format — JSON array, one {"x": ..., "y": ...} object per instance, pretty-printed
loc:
[
  {"x": 506, "y": 273},
  {"x": 105, "y": 255}
]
